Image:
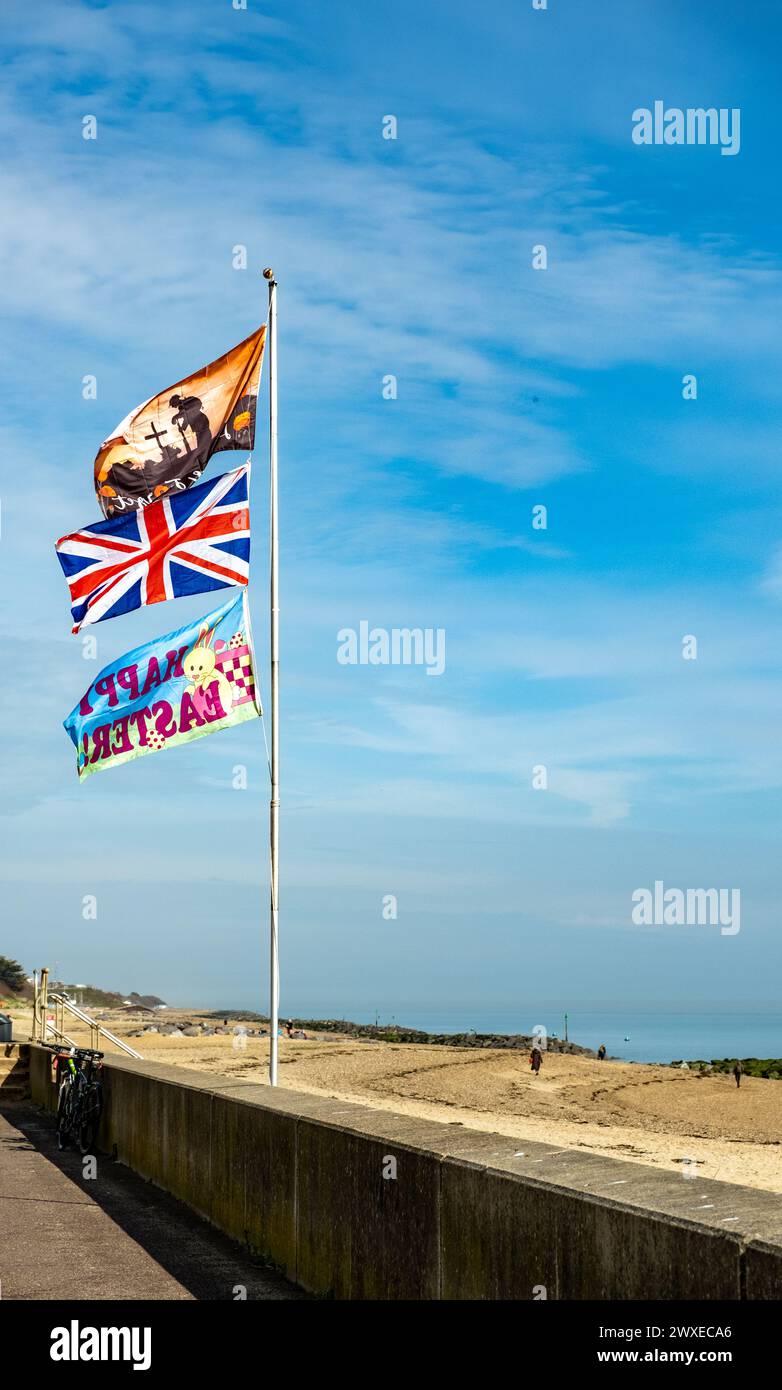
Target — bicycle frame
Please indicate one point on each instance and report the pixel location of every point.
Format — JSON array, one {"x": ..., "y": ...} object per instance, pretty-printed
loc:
[{"x": 80, "y": 1099}]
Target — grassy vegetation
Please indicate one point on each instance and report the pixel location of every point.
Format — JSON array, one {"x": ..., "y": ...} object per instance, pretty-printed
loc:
[
  {"x": 770, "y": 1068},
  {"x": 90, "y": 997}
]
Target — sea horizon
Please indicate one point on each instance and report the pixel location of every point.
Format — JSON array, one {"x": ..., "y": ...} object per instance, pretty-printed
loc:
[{"x": 632, "y": 1033}]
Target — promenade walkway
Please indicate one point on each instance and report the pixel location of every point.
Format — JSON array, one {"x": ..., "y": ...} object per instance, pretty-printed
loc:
[{"x": 113, "y": 1236}]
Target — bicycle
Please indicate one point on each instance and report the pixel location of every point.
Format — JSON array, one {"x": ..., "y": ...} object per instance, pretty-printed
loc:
[{"x": 80, "y": 1099}]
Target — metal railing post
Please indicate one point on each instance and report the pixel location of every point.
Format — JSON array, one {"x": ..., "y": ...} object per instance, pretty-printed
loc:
[{"x": 44, "y": 998}]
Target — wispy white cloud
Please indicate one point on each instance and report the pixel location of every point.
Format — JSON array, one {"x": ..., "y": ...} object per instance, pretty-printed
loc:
[{"x": 410, "y": 258}]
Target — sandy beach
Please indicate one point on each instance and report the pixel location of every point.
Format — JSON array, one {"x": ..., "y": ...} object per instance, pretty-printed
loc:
[{"x": 657, "y": 1115}]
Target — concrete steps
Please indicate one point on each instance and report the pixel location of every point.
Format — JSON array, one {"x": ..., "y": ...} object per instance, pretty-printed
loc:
[{"x": 14, "y": 1073}]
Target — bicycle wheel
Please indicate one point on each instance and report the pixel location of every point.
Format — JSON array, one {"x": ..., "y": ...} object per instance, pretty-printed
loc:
[
  {"x": 64, "y": 1115},
  {"x": 92, "y": 1106}
]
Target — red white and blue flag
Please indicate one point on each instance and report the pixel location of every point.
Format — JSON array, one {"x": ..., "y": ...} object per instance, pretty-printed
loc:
[{"x": 185, "y": 543}]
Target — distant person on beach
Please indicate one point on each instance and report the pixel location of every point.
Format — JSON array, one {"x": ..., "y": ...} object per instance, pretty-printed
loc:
[
  {"x": 601, "y": 1052},
  {"x": 289, "y": 1028},
  {"x": 737, "y": 1070},
  {"x": 535, "y": 1059}
]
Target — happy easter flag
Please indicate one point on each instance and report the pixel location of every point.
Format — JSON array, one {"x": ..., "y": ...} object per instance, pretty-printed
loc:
[{"x": 191, "y": 682}]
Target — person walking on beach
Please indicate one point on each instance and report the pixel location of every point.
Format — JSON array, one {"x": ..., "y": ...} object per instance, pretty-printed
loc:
[
  {"x": 535, "y": 1059},
  {"x": 601, "y": 1052},
  {"x": 737, "y": 1070}
]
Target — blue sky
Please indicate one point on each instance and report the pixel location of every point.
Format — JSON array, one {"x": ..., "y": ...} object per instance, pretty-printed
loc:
[{"x": 516, "y": 387}]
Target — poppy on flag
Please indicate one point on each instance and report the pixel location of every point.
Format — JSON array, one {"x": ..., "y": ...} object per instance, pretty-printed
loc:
[
  {"x": 186, "y": 543},
  {"x": 166, "y": 443}
]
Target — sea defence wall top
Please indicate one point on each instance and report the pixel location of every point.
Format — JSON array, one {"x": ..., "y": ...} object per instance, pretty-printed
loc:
[{"x": 359, "y": 1203}]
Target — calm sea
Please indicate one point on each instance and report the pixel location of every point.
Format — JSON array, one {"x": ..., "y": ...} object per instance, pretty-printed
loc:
[{"x": 632, "y": 1034}]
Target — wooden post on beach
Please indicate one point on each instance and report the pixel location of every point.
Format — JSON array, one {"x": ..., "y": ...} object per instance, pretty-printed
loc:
[{"x": 274, "y": 804}]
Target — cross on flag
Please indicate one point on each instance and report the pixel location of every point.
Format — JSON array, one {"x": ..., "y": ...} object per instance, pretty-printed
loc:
[{"x": 185, "y": 543}]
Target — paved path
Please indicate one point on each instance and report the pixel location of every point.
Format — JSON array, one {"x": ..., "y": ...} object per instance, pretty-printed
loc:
[{"x": 111, "y": 1237}]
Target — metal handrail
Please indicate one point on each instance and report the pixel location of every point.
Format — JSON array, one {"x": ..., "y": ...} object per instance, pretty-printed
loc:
[
  {"x": 93, "y": 1024},
  {"x": 42, "y": 1026},
  {"x": 58, "y": 1033}
]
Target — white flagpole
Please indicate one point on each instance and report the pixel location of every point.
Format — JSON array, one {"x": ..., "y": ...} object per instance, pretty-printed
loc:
[{"x": 274, "y": 804}]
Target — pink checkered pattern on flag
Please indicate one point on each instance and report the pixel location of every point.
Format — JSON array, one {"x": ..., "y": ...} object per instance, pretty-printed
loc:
[{"x": 234, "y": 659}]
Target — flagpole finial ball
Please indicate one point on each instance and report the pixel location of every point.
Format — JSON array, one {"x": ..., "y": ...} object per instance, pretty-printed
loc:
[{"x": 268, "y": 273}]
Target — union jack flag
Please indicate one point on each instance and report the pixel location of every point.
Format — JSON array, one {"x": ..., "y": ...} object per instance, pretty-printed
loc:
[{"x": 185, "y": 543}]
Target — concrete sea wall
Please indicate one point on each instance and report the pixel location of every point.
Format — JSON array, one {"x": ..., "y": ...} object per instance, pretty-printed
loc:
[{"x": 356, "y": 1203}]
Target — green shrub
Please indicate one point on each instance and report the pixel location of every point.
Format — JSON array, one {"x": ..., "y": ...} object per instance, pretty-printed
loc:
[{"x": 12, "y": 974}]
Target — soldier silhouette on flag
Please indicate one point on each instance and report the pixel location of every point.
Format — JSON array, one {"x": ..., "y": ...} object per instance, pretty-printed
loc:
[{"x": 189, "y": 414}]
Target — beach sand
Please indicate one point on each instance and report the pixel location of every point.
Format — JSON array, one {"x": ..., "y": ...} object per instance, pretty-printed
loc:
[{"x": 656, "y": 1115}]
